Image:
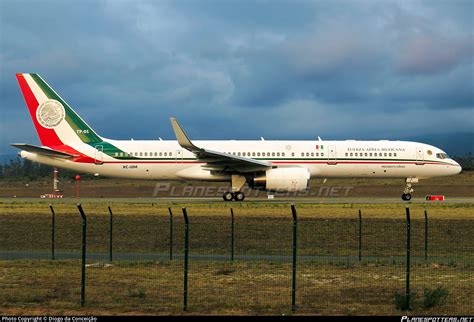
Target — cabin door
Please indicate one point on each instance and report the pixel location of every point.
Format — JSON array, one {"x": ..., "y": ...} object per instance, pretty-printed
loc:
[
  {"x": 179, "y": 156},
  {"x": 332, "y": 159},
  {"x": 99, "y": 155},
  {"x": 420, "y": 156}
]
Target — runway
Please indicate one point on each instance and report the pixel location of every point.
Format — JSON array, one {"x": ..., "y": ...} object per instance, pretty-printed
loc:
[{"x": 251, "y": 200}]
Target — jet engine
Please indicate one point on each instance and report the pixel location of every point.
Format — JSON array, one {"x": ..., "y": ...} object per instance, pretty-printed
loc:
[{"x": 281, "y": 180}]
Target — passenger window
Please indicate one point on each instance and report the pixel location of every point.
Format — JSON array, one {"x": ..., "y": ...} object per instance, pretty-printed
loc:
[
  {"x": 385, "y": 154},
  {"x": 370, "y": 154},
  {"x": 283, "y": 154},
  {"x": 292, "y": 154},
  {"x": 322, "y": 154},
  {"x": 258, "y": 154},
  {"x": 394, "y": 154},
  {"x": 317, "y": 154},
  {"x": 352, "y": 154},
  {"x": 389, "y": 154},
  {"x": 278, "y": 154},
  {"x": 302, "y": 154},
  {"x": 365, "y": 153}
]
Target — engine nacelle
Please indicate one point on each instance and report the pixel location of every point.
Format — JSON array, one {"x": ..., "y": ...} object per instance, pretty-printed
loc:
[{"x": 282, "y": 180}]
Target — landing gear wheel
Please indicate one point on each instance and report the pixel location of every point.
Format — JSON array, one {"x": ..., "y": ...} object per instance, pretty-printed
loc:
[
  {"x": 228, "y": 196},
  {"x": 408, "y": 189},
  {"x": 239, "y": 196}
]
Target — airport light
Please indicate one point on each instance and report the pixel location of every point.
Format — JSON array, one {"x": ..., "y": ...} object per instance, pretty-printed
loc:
[{"x": 78, "y": 179}]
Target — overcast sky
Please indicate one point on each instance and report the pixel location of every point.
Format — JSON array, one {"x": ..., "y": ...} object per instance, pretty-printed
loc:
[{"x": 244, "y": 69}]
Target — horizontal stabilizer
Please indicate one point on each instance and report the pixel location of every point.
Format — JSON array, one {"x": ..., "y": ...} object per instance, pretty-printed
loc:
[{"x": 43, "y": 151}]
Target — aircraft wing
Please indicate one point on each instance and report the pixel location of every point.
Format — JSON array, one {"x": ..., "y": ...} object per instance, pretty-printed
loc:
[
  {"x": 43, "y": 151},
  {"x": 215, "y": 160}
]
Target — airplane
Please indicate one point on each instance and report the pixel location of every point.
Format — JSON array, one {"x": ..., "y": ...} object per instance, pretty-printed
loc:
[{"x": 67, "y": 141}]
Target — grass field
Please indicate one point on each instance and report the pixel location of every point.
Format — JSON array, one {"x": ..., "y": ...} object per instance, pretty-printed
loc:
[
  {"x": 47, "y": 287},
  {"x": 333, "y": 282}
]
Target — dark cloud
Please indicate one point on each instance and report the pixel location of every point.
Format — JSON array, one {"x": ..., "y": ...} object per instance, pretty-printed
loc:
[{"x": 242, "y": 69}]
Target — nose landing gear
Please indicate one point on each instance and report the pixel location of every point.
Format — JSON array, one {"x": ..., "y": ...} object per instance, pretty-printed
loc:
[{"x": 406, "y": 196}]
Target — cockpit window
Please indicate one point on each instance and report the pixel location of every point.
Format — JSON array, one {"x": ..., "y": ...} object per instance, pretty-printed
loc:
[{"x": 442, "y": 156}]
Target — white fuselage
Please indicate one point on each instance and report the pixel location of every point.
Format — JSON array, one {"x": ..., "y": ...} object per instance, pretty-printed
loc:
[{"x": 167, "y": 160}]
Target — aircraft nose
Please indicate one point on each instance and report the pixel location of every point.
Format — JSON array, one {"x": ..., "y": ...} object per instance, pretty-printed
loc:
[{"x": 458, "y": 167}]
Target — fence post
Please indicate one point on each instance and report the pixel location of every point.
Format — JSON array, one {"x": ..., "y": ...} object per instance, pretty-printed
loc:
[
  {"x": 293, "y": 281},
  {"x": 111, "y": 223},
  {"x": 83, "y": 263},
  {"x": 426, "y": 235},
  {"x": 53, "y": 227},
  {"x": 186, "y": 250},
  {"x": 407, "y": 290},
  {"x": 360, "y": 235},
  {"x": 171, "y": 233},
  {"x": 231, "y": 234}
]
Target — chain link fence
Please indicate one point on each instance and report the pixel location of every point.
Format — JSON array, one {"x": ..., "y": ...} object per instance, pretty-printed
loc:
[{"x": 271, "y": 263}]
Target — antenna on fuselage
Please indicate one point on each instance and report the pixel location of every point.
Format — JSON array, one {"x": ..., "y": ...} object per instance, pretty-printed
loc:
[{"x": 319, "y": 139}]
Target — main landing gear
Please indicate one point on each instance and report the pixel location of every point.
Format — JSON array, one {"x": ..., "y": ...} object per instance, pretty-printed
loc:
[
  {"x": 406, "y": 196},
  {"x": 238, "y": 182},
  {"x": 237, "y": 196}
]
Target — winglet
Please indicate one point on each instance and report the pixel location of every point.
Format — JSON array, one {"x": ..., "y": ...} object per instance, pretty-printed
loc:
[{"x": 181, "y": 136}]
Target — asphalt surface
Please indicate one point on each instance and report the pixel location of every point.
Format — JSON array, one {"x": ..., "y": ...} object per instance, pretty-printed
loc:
[{"x": 276, "y": 200}]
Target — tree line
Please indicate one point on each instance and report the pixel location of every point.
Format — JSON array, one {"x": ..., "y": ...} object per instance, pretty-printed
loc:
[{"x": 19, "y": 168}]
